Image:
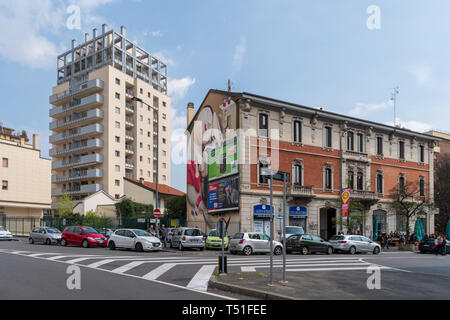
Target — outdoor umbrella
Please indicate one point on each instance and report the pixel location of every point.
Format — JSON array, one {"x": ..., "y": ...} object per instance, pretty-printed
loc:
[
  {"x": 418, "y": 230},
  {"x": 447, "y": 231},
  {"x": 375, "y": 233}
]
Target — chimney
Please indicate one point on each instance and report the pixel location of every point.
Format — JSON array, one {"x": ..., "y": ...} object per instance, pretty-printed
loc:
[
  {"x": 73, "y": 44},
  {"x": 123, "y": 31},
  {"x": 190, "y": 112},
  {"x": 86, "y": 37},
  {"x": 104, "y": 26},
  {"x": 36, "y": 141},
  {"x": 94, "y": 33}
]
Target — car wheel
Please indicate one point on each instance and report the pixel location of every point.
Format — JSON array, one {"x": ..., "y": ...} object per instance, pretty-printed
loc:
[
  {"x": 352, "y": 250},
  {"x": 277, "y": 251},
  {"x": 85, "y": 244},
  {"x": 30, "y": 241},
  {"x": 63, "y": 242},
  {"x": 112, "y": 245},
  {"x": 305, "y": 251},
  {"x": 139, "y": 247},
  {"x": 180, "y": 247},
  {"x": 48, "y": 242},
  {"x": 247, "y": 250},
  {"x": 376, "y": 250},
  {"x": 329, "y": 250}
]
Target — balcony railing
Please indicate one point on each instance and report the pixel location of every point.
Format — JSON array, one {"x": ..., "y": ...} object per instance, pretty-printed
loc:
[
  {"x": 297, "y": 190},
  {"x": 78, "y": 118},
  {"x": 364, "y": 195},
  {"x": 83, "y": 103},
  {"x": 129, "y": 164},
  {"x": 129, "y": 148},
  {"x": 77, "y": 133},
  {"x": 355, "y": 155},
  {"x": 78, "y": 161},
  {"x": 129, "y": 135},
  {"x": 78, "y": 175},
  {"x": 77, "y": 189},
  {"x": 129, "y": 93},
  {"x": 78, "y": 146},
  {"x": 129, "y": 121},
  {"x": 95, "y": 84},
  {"x": 129, "y": 107}
]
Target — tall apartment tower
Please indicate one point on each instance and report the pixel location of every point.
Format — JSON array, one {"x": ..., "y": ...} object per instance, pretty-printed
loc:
[{"x": 109, "y": 110}]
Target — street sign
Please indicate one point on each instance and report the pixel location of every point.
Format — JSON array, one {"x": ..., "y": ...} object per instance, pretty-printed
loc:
[
  {"x": 157, "y": 213},
  {"x": 222, "y": 227},
  {"x": 275, "y": 175},
  {"x": 141, "y": 220},
  {"x": 280, "y": 217}
]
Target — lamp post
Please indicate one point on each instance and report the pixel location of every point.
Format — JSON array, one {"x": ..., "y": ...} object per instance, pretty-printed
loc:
[
  {"x": 341, "y": 160},
  {"x": 136, "y": 99}
]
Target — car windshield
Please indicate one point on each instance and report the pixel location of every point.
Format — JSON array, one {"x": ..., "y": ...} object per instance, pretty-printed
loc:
[
  {"x": 142, "y": 233},
  {"x": 238, "y": 236},
  {"x": 337, "y": 238},
  {"x": 2, "y": 229},
  {"x": 213, "y": 233},
  {"x": 50, "y": 230},
  {"x": 294, "y": 230},
  {"x": 192, "y": 232},
  {"x": 90, "y": 231}
]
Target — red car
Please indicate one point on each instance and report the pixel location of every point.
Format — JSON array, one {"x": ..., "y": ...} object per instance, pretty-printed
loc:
[{"x": 83, "y": 236}]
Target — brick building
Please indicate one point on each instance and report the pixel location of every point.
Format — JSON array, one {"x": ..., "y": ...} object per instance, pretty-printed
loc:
[{"x": 305, "y": 142}]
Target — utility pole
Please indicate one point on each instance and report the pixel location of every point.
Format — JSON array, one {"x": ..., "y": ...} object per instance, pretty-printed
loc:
[{"x": 395, "y": 91}]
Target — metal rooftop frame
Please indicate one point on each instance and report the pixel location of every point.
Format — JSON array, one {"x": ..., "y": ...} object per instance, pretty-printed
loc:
[{"x": 114, "y": 49}]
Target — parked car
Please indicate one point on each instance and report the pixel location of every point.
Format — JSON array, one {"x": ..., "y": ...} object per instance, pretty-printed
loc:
[
  {"x": 106, "y": 232},
  {"x": 354, "y": 244},
  {"x": 169, "y": 234},
  {"x": 44, "y": 235},
  {"x": 213, "y": 241},
  {"x": 307, "y": 243},
  {"x": 136, "y": 239},
  {"x": 183, "y": 238},
  {"x": 252, "y": 242},
  {"x": 84, "y": 236},
  {"x": 5, "y": 234},
  {"x": 430, "y": 246},
  {"x": 290, "y": 230}
]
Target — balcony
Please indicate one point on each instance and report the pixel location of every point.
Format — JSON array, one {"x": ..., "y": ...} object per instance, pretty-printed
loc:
[
  {"x": 78, "y": 119},
  {"x": 129, "y": 136},
  {"x": 91, "y": 130},
  {"x": 129, "y": 107},
  {"x": 129, "y": 149},
  {"x": 76, "y": 190},
  {"x": 129, "y": 164},
  {"x": 356, "y": 156},
  {"x": 78, "y": 147},
  {"x": 83, "y": 174},
  {"x": 129, "y": 93},
  {"x": 82, "y": 88},
  {"x": 90, "y": 159},
  {"x": 299, "y": 191},
  {"x": 82, "y": 104},
  {"x": 129, "y": 122},
  {"x": 365, "y": 196}
]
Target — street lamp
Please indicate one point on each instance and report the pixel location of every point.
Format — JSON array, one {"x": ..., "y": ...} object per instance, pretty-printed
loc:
[
  {"x": 136, "y": 99},
  {"x": 343, "y": 130}
]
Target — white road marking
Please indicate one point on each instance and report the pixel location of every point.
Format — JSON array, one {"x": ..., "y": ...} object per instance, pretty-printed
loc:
[
  {"x": 248, "y": 269},
  {"x": 156, "y": 273},
  {"x": 128, "y": 266},
  {"x": 56, "y": 257},
  {"x": 100, "y": 263},
  {"x": 331, "y": 269},
  {"x": 307, "y": 265},
  {"x": 201, "y": 278}
]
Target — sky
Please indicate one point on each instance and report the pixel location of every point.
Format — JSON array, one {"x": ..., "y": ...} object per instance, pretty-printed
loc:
[{"x": 344, "y": 56}]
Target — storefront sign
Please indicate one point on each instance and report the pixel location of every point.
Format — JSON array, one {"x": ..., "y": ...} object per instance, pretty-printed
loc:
[
  {"x": 298, "y": 212},
  {"x": 261, "y": 211}
]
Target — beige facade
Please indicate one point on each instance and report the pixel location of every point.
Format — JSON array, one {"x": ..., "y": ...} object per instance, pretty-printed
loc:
[
  {"x": 25, "y": 177},
  {"x": 101, "y": 134}
]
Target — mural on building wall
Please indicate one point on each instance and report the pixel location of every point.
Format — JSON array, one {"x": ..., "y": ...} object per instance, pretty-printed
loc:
[{"x": 212, "y": 168}]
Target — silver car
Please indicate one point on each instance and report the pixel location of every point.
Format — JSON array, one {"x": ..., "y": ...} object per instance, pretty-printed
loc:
[
  {"x": 183, "y": 238},
  {"x": 253, "y": 242},
  {"x": 136, "y": 239},
  {"x": 44, "y": 235},
  {"x": 353, "y": 244},
  {"x": 5, "y": 234}
]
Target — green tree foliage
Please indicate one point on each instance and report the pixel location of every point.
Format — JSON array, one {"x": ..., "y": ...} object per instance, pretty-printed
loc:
[
  {"x": 129, "y": 208},
  {"x": 65, "y": 206},
  {"x": 176, "y": 207}
]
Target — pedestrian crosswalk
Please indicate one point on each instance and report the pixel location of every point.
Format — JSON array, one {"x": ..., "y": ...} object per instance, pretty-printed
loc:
[{"x": 193, "y": 272}]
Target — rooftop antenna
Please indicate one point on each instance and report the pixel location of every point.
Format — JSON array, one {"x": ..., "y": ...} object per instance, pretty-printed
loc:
[
  {"x": 395, "y": 91},
  {"x": 229, "y": 85}
]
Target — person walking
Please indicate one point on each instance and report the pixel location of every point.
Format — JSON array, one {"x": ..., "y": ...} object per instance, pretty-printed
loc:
[
  {"x": 152, "y": 231},
  {"x": 444, "y": 245},
  {"x": 163, "y": 235}
]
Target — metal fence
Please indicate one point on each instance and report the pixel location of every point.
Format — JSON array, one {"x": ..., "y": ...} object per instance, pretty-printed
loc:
[{"x": 21, "y": 226}]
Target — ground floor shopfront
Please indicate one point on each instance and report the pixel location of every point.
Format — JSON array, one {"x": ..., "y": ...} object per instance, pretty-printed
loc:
[{"x": 318, "y": 216}]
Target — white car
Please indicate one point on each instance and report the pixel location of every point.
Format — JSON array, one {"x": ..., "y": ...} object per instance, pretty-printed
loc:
[
  {"x": 5, "y": 234},
  {"x": 136, "y": 239}
]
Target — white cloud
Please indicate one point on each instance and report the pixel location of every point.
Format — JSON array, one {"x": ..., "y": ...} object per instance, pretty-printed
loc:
[
  {"x": 362, "y": 109},
  {"x": 239, "y": 53},
  {"x": 177, "y": 88},
  {"x": 422, "y": 73},
  {"x": 164, "y": 58},
  {"x": 157, "y": 33},
  {"x": 412, "y": 125}
]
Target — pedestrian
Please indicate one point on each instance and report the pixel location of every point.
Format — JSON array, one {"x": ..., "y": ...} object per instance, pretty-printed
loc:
[
  {"x": 386, "y": 241},
  {"x": 152, "y": 231},
  {"x": 444, "y": 245},
  {"x": 163, "y": 235}
]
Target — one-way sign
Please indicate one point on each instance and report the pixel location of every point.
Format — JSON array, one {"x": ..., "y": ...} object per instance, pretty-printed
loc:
[{"x": 276, "y": 175}]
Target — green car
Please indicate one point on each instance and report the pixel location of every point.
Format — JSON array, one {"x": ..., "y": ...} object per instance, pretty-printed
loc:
[
  {"x": 213, "y": 241},
  {"x": 307, "y": 243}
]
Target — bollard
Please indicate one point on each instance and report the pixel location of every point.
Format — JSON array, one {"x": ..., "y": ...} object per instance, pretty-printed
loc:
[{"x": 223, "y": 269}]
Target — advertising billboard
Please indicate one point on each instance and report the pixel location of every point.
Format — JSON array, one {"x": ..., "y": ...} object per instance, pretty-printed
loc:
[
  {"x": 223, "y": 160},
  {"x": 223, "y": 195}
]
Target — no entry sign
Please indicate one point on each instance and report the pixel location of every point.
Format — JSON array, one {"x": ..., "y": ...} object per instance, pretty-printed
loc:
[{"x": 157, "y": 213}]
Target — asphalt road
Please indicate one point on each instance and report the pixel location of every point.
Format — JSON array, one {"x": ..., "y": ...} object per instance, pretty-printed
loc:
[{"x": 40, "y": 272}]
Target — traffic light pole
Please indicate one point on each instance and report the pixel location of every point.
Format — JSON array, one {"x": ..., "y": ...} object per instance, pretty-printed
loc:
[{"x": 271, "y": 231}]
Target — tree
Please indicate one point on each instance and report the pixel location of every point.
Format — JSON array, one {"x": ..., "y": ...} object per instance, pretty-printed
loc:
[
  {"x": 357, "y": 214},
  {"x": 408, "y": 203},
  {"x": 442, "y": 191},
  {"x": 65, "y": 206},
  {"x": 129, "y": 208},
  {"x": 176, "y": 207}
]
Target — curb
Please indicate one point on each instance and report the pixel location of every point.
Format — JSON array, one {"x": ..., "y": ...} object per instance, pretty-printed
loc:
[{"x": 259, "y": 294}]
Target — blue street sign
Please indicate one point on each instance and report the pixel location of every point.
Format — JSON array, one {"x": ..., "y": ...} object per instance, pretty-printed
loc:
[
  {"x": 261, "y": 211},
  {"x": 298, "y": 212}
]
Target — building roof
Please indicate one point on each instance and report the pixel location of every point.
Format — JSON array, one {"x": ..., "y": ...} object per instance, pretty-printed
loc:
[
  {"x": 162, "y": 188},
  {"x": 310, "y": 110}
]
